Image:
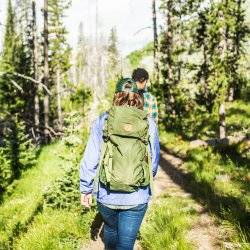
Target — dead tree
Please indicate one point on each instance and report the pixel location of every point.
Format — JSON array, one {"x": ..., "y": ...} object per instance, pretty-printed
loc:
[
  {"x": 156, "y": 61},
  {"x": 46, "y": 71}
]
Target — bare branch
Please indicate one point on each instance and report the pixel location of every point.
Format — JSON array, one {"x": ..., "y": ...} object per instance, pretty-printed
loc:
[
  {"x": 53, "y": 131},
  {"x": 33, "y": 134},
  {"x": 32, "y": 80},
  {"x": 16, "y": 85},
  {"x": 138, "y": 31},
  {"x": 27, "y": 78}
]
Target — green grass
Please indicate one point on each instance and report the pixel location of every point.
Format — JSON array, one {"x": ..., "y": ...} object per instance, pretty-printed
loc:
[
  {"x": 56, "y": 229},
  {"x": 238, "y": 116},
  {"x": 167, "y": 223},
  {"x": 173, "y": 141},
  {"x": 221, "y": 178},
  {"x": 18, "y": 209},
  {"x": 237, "y": 120},
  {"x": 221, "y": 182}
]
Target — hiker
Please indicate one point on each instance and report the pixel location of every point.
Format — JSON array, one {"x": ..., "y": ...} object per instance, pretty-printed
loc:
[
  {"x": 140, "y": 76},
  {"x": 119, "y": 163}
]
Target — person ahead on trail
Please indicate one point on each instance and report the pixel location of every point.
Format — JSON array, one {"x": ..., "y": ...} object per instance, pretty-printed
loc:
[
  {"x": 119, "y": 163},
  {"x": 140, "y": 76}
]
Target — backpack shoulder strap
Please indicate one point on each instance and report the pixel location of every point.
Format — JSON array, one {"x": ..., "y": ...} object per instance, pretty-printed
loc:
[
  {"x": 103, "y": 151},
  {"x": 151, "y": 184}
]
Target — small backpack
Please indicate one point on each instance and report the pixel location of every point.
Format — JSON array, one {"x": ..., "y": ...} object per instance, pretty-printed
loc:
[{"x": 125, "y": 163}]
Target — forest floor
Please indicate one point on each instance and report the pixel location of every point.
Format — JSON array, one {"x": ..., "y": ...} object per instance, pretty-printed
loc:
[{"x": 205, "y": 233}]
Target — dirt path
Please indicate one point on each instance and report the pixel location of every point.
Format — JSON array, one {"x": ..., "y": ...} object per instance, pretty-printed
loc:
[{"x": 171, "y": 180}]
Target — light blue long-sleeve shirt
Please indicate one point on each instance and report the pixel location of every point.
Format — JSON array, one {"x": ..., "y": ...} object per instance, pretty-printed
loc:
[{"x": 90, "y": 161}]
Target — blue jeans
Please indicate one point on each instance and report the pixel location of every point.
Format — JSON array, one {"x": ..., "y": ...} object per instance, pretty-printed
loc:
[{"x": 121, "y": 226}]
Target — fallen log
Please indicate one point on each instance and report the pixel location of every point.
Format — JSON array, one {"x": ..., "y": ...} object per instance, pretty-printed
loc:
[{"x": 221, "y": 143}]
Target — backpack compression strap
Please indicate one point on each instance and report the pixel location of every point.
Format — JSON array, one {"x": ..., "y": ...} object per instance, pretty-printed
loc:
[
  {"x": 150, "y": 173},
  {"x": 96, "y": 178}
]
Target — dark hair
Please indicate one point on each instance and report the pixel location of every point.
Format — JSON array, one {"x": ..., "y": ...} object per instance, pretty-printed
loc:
[
  {"x": 128, "y": 98},
  {"x": 140, "y": 75}
]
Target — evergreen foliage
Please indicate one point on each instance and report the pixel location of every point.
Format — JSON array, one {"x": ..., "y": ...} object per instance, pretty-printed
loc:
[
  {"x": 64, "y": 193},
  {"x": 113, "y": 55},
  {"x": 201, "y": 51},
  {"x": 202, "y": 67},
  {"x": 59, "y": 55},
  {"x": 81, "y": 55},
  {"x": 5, "y": 170},
  {"x": 18, "y": 87},
  {"x": 18, "y": 152}
]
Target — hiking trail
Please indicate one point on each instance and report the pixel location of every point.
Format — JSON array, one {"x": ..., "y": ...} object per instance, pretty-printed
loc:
[{"x": 205, "y": 234}]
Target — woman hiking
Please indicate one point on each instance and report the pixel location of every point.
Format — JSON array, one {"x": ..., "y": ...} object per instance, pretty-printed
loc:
[{"x": 119, "y": 163}]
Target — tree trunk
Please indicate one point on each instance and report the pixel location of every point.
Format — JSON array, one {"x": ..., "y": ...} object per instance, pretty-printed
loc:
[
  {"x": 35, "y": 71},
  {"x": 169, "y": 39},
  {"x": 222, "y": 117},
  {"x": 231, "y": 94},
  {"x": 46, "y": 72},
  {"x": 58, "y": 89},
  {"x": 236, "y": 50},
  {"x": 222, "y": 52},
  {"x": 205, "y": 75},
  {"x": 156, "y": 61}
]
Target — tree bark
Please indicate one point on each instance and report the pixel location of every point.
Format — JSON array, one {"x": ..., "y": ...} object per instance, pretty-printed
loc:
[
  {"x": 46, "y": 72},
  {"x": 156, "y": 61},
  {"x": 169, "y": 39},
  {"x": 236, "y": 48},
  {"x": 35, "y": 70},
  {"x": 222, "y": 117},
  {"x": 231, "y": 94},
  {"x": 58, "y": 89},
  {"x": 222, "y": 51}
]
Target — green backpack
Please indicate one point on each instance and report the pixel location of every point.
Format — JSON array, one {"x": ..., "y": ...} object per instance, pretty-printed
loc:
[{"x": 125, "y": 163}]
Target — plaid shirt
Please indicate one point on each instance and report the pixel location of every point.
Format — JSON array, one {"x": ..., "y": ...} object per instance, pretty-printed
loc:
[{"x": 150, "y": 105}]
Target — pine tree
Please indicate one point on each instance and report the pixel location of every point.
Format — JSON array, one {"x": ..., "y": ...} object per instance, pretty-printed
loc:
[
  {"x": 27, "y": 155},
  {"x": 5, "y": 169},
  {"x": 15, "y": 96},
  {"x": 22, "y": 64},
  {"x": 113, "y": 55},
  {"x": 13, "y": 90},
  {"x": 239, "y": 32},
  {"x": 59, "y": 50},
  {"x": 81, "y": 56},
  {"x": 9, "y": 38},
  {"x": 7, "y": 57},
  {"x": 174, "y": 46},
  {"x": 204, "y": 96},
  {"x": 218, "y": 34},
  {"x": 167, "y": 59}
]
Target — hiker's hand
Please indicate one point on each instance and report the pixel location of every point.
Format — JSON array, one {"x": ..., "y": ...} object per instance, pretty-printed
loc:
[{"x": 86, "y": 200}]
